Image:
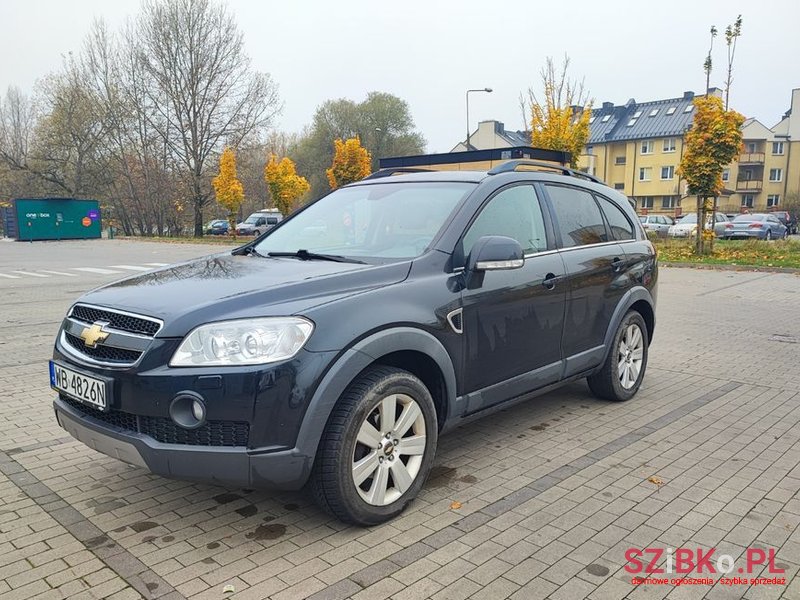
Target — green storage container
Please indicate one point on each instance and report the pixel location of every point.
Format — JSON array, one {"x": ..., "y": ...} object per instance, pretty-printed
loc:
[{"x": 56, "y": 219}]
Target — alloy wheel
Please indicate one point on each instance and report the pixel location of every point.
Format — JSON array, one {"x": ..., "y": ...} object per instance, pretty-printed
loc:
[
  {"x": 389, "y": 450},
  {"x": 630, "y": 356}
]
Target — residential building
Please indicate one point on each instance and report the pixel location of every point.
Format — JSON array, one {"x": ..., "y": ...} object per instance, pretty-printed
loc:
[{"x": 636, "y": 148}]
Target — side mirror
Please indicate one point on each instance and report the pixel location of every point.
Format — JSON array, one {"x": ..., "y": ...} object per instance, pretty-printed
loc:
[{"x": 495, "y": 252}]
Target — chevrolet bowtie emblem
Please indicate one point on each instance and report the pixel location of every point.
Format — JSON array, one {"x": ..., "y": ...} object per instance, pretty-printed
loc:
[{"x": 94, "y": 334}]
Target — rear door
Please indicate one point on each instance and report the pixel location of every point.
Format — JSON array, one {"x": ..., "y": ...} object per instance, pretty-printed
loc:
[{"x": 595, "y": 264}]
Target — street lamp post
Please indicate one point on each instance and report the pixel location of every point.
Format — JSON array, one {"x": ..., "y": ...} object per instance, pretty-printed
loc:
[{"x": 488, "y": 90}]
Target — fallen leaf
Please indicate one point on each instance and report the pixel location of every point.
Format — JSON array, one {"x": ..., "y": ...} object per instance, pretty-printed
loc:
[
  {"x": 455, "y": 505},
  {"x": 228, "y": 589},
  {"x": 656, "y": 480}
]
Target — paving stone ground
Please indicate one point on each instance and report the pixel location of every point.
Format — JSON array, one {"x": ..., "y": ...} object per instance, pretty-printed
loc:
[{"x": 553, "y": 491}]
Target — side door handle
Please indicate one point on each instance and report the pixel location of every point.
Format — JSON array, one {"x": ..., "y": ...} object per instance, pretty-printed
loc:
[
  {"x": 616, "y": 264},
  {"x": 549, "y": 281}
]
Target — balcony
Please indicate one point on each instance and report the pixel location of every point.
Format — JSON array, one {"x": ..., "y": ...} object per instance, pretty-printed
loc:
[
  {"x": 749, "y": 185},
  {"x": 751, "y": 158}
]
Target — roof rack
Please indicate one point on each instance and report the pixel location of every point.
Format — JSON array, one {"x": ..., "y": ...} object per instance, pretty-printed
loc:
[
  {"x": 511, "y": 165},
  {"x": 393, "y": 170}
]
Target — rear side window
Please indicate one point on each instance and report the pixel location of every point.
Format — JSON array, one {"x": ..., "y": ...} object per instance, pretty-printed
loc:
[
  {"x": 513, "y": 212},
  {"x": 621, "y": 228},
  {"x": 578, "y": 216}
]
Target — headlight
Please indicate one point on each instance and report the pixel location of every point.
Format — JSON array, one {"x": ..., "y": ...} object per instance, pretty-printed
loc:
[{"x": 243, "y": 342}]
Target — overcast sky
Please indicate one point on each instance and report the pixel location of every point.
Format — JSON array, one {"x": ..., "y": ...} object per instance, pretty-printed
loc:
[{"x": 430, "y": 52}]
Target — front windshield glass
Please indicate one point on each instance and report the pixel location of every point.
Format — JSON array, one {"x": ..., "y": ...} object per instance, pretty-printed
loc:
[
  {"x": 690, "y": 218},
  {"x": 251, "y": 220},
  {"x": 381, "y": 221}
]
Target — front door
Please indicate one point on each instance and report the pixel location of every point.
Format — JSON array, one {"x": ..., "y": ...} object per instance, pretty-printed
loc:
[{"x": 513, "y": 319}]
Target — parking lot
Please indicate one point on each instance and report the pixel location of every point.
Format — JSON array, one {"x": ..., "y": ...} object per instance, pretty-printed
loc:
[{"x": 541, "y": 500}]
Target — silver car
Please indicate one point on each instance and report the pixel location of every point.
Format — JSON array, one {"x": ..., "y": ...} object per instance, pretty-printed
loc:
[
  {"x": 761, "y": 226},
  {"x": 687, "y": 226},
  {"x": 658, "y": 223}
]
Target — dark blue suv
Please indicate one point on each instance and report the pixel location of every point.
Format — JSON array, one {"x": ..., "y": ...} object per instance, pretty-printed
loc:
[{"x": 333, "y": 351}]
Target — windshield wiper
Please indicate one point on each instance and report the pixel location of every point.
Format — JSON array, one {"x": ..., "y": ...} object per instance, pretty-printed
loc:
[{"x": 306, "y": 255}]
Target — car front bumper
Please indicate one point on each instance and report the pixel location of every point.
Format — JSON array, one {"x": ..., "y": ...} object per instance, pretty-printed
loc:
[{"x": 236, "y": 466}]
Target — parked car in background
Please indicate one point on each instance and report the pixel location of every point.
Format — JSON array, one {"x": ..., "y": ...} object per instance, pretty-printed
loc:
[
  {"x": 217, "y": 227},
  {"x": 658, "y": 223},
  {"x": 788, "y": 220},
  {"x": 259, "y": 222},
  {"x": 687, "y": 226},
  {"x": 761, "y": 226}
]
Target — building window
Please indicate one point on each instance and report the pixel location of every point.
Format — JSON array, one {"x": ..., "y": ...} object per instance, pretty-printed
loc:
[
  {"x": 776, "y": 174},
  {"x": 689, "y": 108},
  {"x": 647, "y": 147},
  {"x": 669, "y": 201},
  {"x": 746, "y": 174},
  {"x": 667, "y": 172},
  {"x": 605, "y": 118},
  {"x": 773, "y": 200},
  {"x": 619, "y": 186},
  {"x": 631, "y": 123},
  {"x": 777, "y": 147},
  {"x": 669, "y": 145},
  {"x": 653, "y": 112},
  {"x": 671, "y": 110},
  {"x": 637, "y": 114},
  {"x": 644, "y": 173},
  {"x": 619, "y": 160},
  {"x": 751, "y": 147},
  {"x": 647, "y": 202},
  {"x": 747, "y": 200},
  {"x": 591, "y": 120},
  {"x": 726, "y": 174}
]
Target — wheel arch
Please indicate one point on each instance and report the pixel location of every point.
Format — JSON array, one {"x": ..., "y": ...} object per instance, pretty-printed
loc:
[
  {"x": 408, "y": 348},
  {"x": 640, "y": 300}
]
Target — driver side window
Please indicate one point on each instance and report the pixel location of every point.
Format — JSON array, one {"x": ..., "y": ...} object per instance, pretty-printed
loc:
[{"x": 514, "y": 212}]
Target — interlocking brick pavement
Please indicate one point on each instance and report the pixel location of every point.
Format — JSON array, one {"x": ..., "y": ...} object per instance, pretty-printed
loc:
[{"x": 553, "y": 490}]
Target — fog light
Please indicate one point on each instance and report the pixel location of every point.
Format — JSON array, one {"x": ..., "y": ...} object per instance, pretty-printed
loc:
[
  {"x": 188, "y": 410},
  {"x": 198, "y": 410}
]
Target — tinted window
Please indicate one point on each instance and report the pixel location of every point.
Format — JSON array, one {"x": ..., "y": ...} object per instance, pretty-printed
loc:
[
  {"x": 578, "y": 216},
  {"x": 515, "y": 213},
  {"x": 621, "y": 228},
  {"x": 272, "y": 220}
]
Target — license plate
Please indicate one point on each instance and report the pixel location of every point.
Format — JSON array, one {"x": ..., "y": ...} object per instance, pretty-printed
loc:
[{"x": 79, "y": 386}]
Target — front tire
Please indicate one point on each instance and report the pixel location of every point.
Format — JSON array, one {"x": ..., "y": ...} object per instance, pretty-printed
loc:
[
  {"x": 377, "y": 448},
  {"x": 623, "y": 371},
  {"x": 768, "y": 237}
]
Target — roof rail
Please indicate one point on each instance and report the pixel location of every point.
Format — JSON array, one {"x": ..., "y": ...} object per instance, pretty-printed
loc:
[
  {"x": 511, "y": 165},
  {"x": 391, "y": 171}
]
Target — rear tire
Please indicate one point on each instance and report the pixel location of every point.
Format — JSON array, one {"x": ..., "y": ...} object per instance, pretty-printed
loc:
[
  {"x": 623, "y": 370},
  {"x": 377, "y": 448}
]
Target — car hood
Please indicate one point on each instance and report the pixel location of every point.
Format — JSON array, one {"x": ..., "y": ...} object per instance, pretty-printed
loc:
[{"x": 225, "y": 286}]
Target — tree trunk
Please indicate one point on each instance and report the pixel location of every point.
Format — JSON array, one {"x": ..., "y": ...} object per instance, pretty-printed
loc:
[{"x": 699, "y": 245}]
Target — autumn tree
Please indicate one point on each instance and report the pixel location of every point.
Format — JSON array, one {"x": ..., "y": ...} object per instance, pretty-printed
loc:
[
  {"x": 285, "y": 186},
  {"x": 201, "y": 90},
  {"x": 227, "y": 187},
  {"x": 382, "y": 122},
  {"x": 713, "y": 141},
  {"x": 559, "y": 112},
  {"x": 351, "y": 162}
]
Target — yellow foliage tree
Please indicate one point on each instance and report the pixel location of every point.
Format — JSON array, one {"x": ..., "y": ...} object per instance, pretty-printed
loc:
[
  {"x": 228, "y": 189},
  {"x": 560, "y": 117},
  {"x": 351, "y": 162},
  {"x": 285, "y": 185},
  {"x": 713, "y": 141}
]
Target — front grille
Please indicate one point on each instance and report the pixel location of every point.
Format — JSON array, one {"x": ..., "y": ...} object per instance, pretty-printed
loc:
[
  {"x": 107, "y": 354},
  {"x": 164, "y": 430},
  {"x": 119, "y": 321}
]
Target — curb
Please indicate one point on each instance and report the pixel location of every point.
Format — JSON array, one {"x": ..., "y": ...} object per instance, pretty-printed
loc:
[{"x": 723, "y": 267}]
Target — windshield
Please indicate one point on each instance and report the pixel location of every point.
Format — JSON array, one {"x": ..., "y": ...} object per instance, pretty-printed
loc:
[
  {"x": 691, "y": 218},
  {"x": 251, "y": 220},
  {"x": 381, "y": 221},
  {"x": 643, "y": 219}
]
